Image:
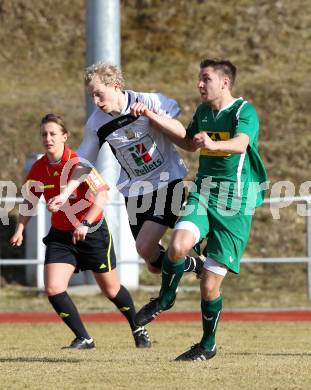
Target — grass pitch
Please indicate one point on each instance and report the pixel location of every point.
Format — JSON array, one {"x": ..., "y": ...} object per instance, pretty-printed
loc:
[{"x": 252, "y": 355}]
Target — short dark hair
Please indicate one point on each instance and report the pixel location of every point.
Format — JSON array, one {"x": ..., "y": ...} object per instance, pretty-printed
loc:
[
  {"x": 56, "y": 119},
  {"x": 224, "y": 66}
]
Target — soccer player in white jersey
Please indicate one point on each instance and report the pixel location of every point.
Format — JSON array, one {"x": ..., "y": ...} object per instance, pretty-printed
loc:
[{"x": 152, "y": 171}]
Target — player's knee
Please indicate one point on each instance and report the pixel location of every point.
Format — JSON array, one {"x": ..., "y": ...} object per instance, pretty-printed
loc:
[
  {"x": 143, "y": 249},
  {"x": 210, "y": 290},
  {"x": 111, "y": 291},
  {"x": 176, "y": 250},
  {"x": 54, "y": 289}
]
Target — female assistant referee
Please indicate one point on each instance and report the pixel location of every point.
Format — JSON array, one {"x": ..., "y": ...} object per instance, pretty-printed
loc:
[{"x": 79, "y": 238}]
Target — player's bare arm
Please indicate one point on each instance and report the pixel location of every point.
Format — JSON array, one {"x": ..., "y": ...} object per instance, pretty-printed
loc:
[
  {"x": 169, "y": 126},
  {"x": 18, "y": 236},
  {"x": 237, "y": 144}
]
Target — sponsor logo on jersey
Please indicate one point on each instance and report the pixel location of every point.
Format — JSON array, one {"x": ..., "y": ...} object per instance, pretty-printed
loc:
[
  {"x": 148, "y": 168},
  {"x": 140, "y": 154},
  {"x": 216, "y": 136},
  {"x": 140, "y": 157},
  {"x": 146, "y": 157}
]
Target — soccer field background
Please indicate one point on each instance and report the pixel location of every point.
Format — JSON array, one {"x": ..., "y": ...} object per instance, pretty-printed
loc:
[{"x": 252, "y": 355}]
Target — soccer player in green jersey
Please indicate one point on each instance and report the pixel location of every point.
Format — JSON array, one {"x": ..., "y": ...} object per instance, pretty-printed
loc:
[{"x": 230, "y": 183}]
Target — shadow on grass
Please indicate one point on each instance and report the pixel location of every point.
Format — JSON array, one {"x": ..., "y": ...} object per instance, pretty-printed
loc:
[{"x": 41, "y": 360}]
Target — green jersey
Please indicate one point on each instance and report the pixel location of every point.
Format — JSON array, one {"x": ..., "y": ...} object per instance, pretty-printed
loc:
[{"x": 233, "y": 180}]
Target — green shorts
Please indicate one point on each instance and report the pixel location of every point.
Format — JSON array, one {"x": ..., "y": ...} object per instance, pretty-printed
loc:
[{"x": 227, "y": 232}]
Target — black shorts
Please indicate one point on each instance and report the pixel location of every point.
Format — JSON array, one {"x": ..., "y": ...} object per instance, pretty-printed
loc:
[
  {"x": 161, "y": 206},
  {"x": 95, "y": 253}
]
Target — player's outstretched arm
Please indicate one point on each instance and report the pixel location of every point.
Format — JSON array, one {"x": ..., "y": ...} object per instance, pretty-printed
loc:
[{"x": 172, "y": 128}]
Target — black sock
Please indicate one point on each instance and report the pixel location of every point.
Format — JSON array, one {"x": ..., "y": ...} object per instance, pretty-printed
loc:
[
  {"x": 125, "y": 304},
  {"x": 68, "y": 312}
]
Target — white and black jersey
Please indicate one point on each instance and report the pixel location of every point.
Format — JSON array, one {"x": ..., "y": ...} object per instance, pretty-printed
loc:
[{"x": 144, "y": 153}]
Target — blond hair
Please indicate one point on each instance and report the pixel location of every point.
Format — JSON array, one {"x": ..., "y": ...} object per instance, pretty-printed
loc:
[{"x": 108, "y": 74}]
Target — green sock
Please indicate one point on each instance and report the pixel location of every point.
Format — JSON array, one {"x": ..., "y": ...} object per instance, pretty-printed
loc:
[
  {"x": 210, "y": 316},
  {"x": 171, "y": 275}
]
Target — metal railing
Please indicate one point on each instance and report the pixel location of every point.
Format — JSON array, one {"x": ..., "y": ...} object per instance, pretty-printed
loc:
[{"x": 281, "y": 260}]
